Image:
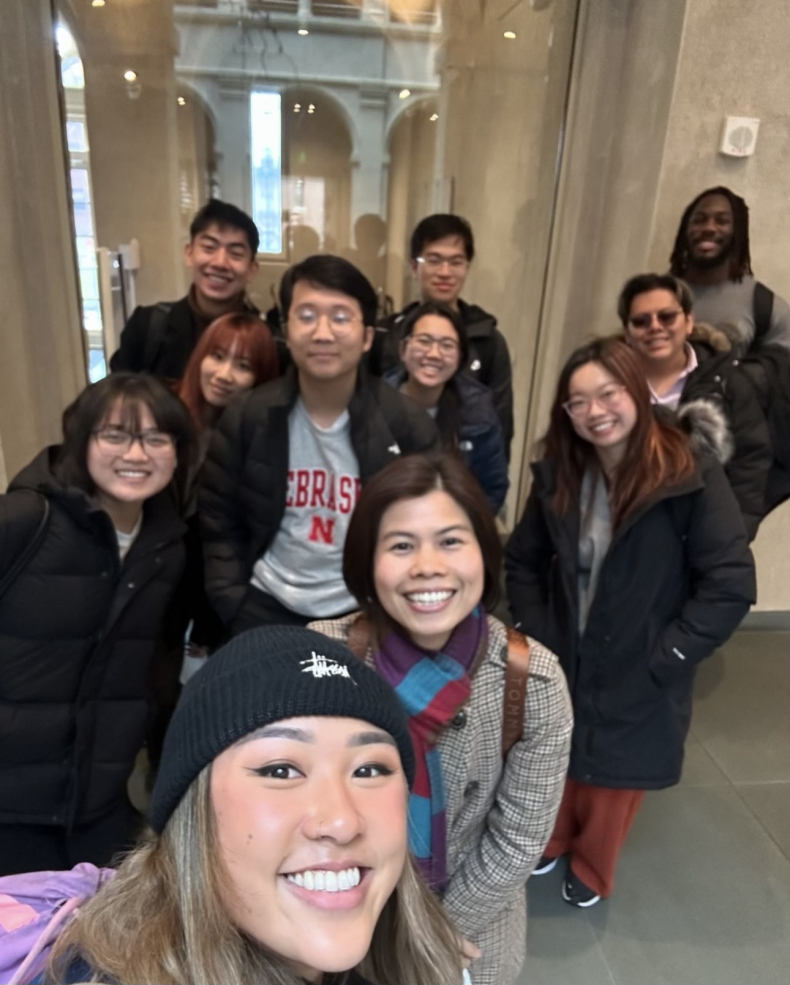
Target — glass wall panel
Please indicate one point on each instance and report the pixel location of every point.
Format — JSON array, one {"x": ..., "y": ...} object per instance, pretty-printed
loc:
[{"x": 337, "y": 124}]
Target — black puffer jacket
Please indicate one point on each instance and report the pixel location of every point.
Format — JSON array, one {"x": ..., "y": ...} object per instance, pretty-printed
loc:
[
  {"x": 489, "y": 357},
  {"x": 77, "y": 631},
  {"x": 245, "y": 476},
  {"x": 675, "y": 583},
  {"x": 720, "y": 410}
]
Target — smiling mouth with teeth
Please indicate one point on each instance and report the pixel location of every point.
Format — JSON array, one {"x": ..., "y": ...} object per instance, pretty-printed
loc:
[
  {"x": 429, "y": 598},
  {"x": 325, "y": 881}
]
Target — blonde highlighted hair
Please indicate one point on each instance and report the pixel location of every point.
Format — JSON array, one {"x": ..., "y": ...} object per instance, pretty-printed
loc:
[{"x": 162, "y": 921}]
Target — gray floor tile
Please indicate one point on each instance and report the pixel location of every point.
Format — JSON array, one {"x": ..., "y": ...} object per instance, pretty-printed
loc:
[
  {"x": 702, "y": 896},
  {"x": 561, "y": 946},
  {"x": 699, "y": 769},
  {"x": 741, "y": 708},
  {"x": 770, "y": 802}
]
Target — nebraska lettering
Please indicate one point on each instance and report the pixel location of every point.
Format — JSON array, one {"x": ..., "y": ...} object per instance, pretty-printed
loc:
[{"x": 319, "y": 489}]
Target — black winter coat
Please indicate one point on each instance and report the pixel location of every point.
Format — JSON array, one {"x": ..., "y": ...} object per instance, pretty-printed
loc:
[
  {"x": 677, "y": 580},
  {"x": 721, "y": 412},
  {"x": 489, "y": 357},
  {"x": 160, "y": 338},
  {"x": 245, "y": 476},
  {"x": 479, "y": 436},
  {"x": 77, "y": 631}
]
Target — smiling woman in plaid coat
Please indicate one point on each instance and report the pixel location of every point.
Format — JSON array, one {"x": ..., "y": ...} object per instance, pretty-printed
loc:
[{"x": 423, "y": 553}]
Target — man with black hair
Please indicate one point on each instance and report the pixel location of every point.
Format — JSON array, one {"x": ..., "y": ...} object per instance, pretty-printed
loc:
[
  {"x": 442, "y": 247},
  {"x": 221, "y": 253},
  {"x": 287, "y": 460},
  {"x": 711, "y": 253}
]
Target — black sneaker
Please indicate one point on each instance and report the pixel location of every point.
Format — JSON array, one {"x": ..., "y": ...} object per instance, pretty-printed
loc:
[
  {"x": 545, "y": 864},
  {"x": 577, "y": 893}
]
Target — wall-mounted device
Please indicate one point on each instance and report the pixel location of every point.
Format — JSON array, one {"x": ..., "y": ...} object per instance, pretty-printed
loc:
[{"x": 739, "y": 137}]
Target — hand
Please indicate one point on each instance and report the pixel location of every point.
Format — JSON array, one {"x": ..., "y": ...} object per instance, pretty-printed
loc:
[{"x": 469, "y": 952}]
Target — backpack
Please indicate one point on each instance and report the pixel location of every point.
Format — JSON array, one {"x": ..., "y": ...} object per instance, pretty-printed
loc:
[
  {"x": 516, "y": 676},
  {"x": 155, "y": 337},
  {"x": 32, "y": 546},
  {"x": 762, "y": 309},
  {"x": 34, "y": 908}
]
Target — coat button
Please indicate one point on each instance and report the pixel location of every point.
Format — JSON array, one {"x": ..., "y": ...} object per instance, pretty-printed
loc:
[
  {"x": 158, "y": 561},
  {"x": 470, "y": 788},
  {"x": 460, "y": 720},
  {"x": 131, "y": 584},
  {"x": 104, "y": 575}
]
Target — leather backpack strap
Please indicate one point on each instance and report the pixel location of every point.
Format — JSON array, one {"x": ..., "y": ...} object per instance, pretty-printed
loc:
[
  {"x": 359, "y": 637},
  {"x": 516, "y": 676}
]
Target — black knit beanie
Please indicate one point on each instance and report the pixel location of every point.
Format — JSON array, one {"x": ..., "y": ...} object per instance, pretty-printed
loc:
[{"x": 264, "y": 676}]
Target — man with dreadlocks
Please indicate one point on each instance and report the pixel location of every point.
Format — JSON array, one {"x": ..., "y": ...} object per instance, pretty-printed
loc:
[{"x": 711, "y": 254}]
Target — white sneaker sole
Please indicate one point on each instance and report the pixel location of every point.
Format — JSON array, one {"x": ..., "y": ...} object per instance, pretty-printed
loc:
[
  {"x": 547, "y": 867},
  {"x": 584, "y": 905}
]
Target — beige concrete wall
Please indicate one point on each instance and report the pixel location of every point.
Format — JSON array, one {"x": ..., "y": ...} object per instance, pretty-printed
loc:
[
  {"x": 501, "y": 108},
  {"x": 735, "y": 61},
  {"x": 652, "y": 84},
  {"x": 43, "y": 361}
]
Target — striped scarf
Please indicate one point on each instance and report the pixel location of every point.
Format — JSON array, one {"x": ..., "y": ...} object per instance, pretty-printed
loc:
[{"x": 432, "y": 687}]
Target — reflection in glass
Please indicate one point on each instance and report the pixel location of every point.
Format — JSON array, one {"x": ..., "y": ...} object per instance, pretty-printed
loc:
[{"x": 267, "y": 169}]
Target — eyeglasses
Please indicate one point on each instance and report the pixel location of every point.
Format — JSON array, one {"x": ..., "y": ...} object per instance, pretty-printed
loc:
[
  {"x": 422, "y": 344},
  {"x": 434, "y": 262},
  {"x": 341, "y": 320},
  {"x": 609, "y": 397},
  {"x": 665, "y": 318},
  {"x": 117, "y": 441}
]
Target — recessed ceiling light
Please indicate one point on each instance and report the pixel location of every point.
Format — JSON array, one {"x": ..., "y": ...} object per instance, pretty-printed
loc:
[
  {"x": 130, "y": 75},
  {"x": 434, "y": 117},
  {"x": 510, "y": 35},
  {"x": 297, "y": 107},
  {"x": 97, "y": 3},
  {"x": 303, "y": 32},
  {"x": 181, "y": 101},
  {"x": 311, "y": 108},
  {"x": 404, "y": 93}
]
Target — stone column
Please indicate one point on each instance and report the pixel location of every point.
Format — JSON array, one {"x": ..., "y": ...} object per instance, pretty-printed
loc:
[{"x": 43, "y": 364}]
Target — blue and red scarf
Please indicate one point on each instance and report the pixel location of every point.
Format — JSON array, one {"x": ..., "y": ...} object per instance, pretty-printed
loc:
[{"x": 432, "y": 688}]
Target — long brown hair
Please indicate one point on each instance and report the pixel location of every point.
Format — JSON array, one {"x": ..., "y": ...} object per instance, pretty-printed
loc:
[
  {"x": 254, "y": 341},
  {"x": 162, "y": 920},
  {"x": 658, "y": 454}
]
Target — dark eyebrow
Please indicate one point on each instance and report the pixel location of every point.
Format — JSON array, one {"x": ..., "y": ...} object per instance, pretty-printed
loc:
[
  {"x": 444, "y": 530},
  {"x": 371, "y": 739}
]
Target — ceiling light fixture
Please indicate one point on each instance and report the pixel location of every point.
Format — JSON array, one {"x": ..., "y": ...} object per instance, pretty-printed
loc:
[
  {"x": 97, "y": 3},
  {"x": 297, "y": 107},
  {"x": 311, "y": 108},
  {"x": 434, "y": 117},
  {"x": 181, "y": 101},
  {"x": 510, "y": 35},
  {"x": 303, "y": 32},
  {"x": 404, "y": 94}
]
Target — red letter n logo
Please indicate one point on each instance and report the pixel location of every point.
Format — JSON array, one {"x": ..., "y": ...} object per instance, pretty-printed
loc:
[{"x": 322, "y": 529}]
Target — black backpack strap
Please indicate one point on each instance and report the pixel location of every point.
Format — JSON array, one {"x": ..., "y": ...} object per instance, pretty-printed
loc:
[
  {"x": 155, "y": 335},
  {"x": 32, "y": 546},
  {"x": 762, "y": 308}
]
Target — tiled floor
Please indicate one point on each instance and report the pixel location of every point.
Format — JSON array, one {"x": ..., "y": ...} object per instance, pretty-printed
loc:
[{"x": 703, "y": 886}]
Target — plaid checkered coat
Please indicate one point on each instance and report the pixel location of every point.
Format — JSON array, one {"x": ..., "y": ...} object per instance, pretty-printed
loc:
[{"x": 499, "y": 816}]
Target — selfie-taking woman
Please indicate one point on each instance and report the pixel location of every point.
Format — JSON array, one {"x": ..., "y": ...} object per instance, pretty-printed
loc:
[
  {"x": 434, "y": 351},
  {"x": 709, "y": 392},
  {"x": 235, "y": 353},
  {"x": 279, "y": 845},
  {"x": 423, "y": 557},
  {"x": 631, "y": 561},
  {"x": 90, "y": 552}
]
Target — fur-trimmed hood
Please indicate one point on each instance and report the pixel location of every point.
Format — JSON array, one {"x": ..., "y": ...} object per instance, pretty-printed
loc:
[{"x": 706, "y": 424}]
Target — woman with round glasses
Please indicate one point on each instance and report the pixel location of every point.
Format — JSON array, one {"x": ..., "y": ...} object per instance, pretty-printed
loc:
[
  {"x": 434, "y": 351},
  {"x": 708, "y": 390},
  {"x": 631, "y": 562},
  {"x": 90, "y": 551}
]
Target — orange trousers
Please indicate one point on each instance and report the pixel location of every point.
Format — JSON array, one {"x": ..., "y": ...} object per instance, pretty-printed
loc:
[{"x": 591, "y": 827}]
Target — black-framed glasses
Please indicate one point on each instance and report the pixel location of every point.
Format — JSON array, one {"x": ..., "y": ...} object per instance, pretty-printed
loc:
[
  {"x": 424, "y": 343},
  {"x": 609, "y": 398},
  {"x": 118, "y": 441},
  {"x": 666, "y": 318}
]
